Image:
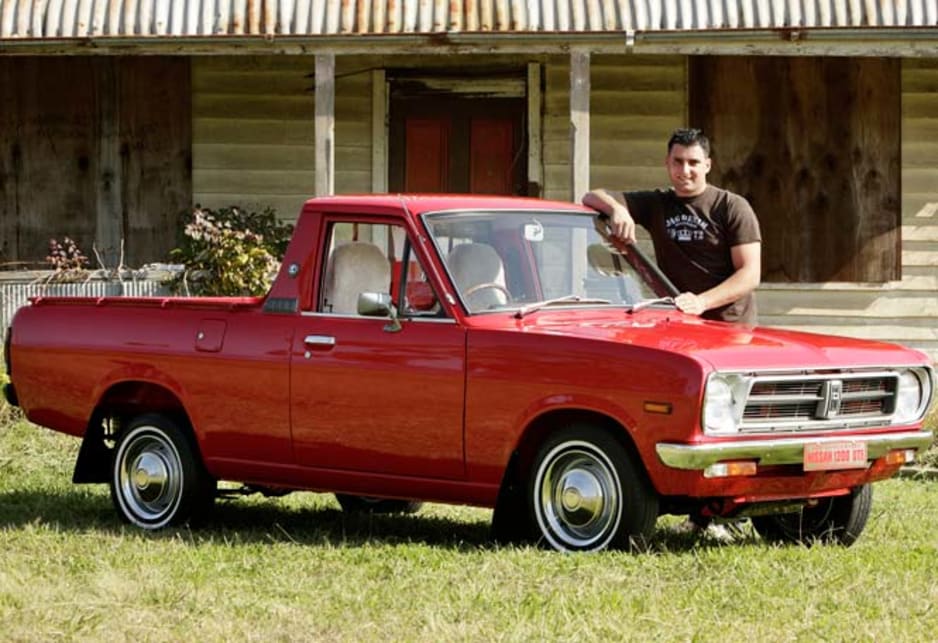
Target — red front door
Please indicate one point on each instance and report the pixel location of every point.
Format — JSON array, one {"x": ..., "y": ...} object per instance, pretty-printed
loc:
[
  {"x": 365, "y": 399},
  {"x": 470, "y": 145}
]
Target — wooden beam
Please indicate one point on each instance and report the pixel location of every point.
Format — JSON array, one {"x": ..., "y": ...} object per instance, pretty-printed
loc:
[
  {"x": 908, "y": 42},
  {"x": 579, "y": 122},
  {"x": 109, "y": 222},
  {"x": 325, "y": 124},
  {"x": 379, "y": 132},
  {"x": 535, "y": 141}
]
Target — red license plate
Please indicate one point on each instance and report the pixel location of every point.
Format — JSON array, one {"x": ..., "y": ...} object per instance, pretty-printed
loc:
[{"x": 829, "y": 456}]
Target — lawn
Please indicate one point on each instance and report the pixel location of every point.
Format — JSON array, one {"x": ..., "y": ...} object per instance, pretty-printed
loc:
[{"x": 296, "y": 568}]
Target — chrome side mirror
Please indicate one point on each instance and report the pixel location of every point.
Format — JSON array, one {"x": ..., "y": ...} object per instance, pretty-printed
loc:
[{"x": 378, "y": 304}]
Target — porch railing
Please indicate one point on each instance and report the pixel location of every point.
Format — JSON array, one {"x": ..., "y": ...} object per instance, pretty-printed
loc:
[{"x": 16, "y": 288}]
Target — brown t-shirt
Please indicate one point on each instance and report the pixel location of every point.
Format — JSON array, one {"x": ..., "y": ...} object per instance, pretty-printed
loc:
[{"x": 693, "y": 237}]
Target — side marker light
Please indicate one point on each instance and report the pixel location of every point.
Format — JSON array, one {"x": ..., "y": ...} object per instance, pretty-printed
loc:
[{"x": 664, "y": 408}]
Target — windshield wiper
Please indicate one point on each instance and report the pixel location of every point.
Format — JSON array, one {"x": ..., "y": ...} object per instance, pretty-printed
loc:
[
  {"x": 645, "y": 303},
  {"x": 567, "y": 299}
]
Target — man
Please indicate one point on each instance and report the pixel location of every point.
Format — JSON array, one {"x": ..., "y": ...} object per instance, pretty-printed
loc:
[
  {"x": 706, "y": 239},
  {"x": 707, "y": 242}
]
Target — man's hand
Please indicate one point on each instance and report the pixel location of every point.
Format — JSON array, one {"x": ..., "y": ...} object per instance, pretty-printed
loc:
[
  {"x": 621, "y": 224},
  {"x": 690, "y": 303}
]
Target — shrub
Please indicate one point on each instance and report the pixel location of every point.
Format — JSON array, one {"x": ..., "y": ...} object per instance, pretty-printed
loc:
[
  {"x": 66, "y": 260},
  {"x": 229, "y": 252}
]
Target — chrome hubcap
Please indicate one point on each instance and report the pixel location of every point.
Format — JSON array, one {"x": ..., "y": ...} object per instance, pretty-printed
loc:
[
  {"x": 149, "y": 477},
  {"x": 581, "y": 497},
  {"x": 578, "y": 504}
]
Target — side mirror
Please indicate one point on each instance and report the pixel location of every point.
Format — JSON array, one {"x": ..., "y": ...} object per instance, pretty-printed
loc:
[{"x": 378, "y": 304}]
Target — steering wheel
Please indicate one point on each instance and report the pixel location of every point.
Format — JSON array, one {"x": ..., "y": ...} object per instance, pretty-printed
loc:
[{"x": 489, "y": 285}]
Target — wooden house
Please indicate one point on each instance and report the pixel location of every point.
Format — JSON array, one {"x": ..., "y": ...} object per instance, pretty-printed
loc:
[{"x": 115, "y": 115}]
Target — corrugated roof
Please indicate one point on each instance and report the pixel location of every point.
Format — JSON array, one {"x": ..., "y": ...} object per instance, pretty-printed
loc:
[{"x": 48, "y": 19}]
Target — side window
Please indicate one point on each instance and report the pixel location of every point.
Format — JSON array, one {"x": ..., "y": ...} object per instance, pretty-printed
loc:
[
  {"x": 419, "y": 300},
  {"x": 374, "y": 258},
  {"x": 357, "y": 262}
]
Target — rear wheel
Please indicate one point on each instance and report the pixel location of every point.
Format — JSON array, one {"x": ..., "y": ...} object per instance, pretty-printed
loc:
[
  {"x": 158, "y": 478},
  {"x": 586, "y": 493},
  {"x": 366, "y": 504},
  {"x": 839, "y": 520}
]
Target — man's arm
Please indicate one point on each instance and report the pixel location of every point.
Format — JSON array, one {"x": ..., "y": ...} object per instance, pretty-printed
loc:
[
  {"x": 621, "y": 223},
  {"x": 747, "y": 260}
]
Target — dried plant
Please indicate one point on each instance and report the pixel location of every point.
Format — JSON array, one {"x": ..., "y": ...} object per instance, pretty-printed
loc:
[{"x": 67, "y": 261}]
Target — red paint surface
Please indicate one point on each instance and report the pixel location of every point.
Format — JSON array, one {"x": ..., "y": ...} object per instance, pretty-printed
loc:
[{"x": 431, "y": 412}]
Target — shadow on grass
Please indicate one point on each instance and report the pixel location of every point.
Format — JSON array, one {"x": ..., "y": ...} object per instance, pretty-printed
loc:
[
  {"x": 266, "y": 521},
  {"x": 75, "y": 510},
  {"x": 269, "y": 521}
]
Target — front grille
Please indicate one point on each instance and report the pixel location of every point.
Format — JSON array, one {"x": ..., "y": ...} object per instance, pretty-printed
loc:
[{"x": 819, "y": 401}]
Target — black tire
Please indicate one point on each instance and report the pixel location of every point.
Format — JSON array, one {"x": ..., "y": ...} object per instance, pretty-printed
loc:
[
  {"x": 365, "y": 504},
  {"x": 157, "y": 478},
  {"x": 839, "y": 520},
  {"x": 586, "y": 493}
]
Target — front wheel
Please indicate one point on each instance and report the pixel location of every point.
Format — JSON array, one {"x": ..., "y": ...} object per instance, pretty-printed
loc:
[
  {"x": 839, "y": 520},
  {"x": 158, "y": 479},
  {"x": 586, "y": 493}
]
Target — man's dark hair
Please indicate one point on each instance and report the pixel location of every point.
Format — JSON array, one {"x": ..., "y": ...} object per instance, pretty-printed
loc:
[{"x": 687, "y": 136}]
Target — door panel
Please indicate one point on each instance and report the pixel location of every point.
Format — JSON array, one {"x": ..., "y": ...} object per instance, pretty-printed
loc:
[
  {"x": 427, "y": 165},
  {"x": 491, "y": 147},
  {"x": 366, "y": 399}
]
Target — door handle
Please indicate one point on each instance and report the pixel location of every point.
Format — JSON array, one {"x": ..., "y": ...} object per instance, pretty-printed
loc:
[
  {"x": 326, "y": 341},
  {"x": 318, "y": 343}
]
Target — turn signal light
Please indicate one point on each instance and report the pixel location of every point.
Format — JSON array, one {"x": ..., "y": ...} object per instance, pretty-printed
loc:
[
  {"x": 730, "y": 469},
  {"x": 900, "y": 456}
]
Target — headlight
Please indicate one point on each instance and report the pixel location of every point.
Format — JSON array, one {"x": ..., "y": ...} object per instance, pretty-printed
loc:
[
  {"x": 724, "y": 403},
  {"x": 912, "y": 395}
]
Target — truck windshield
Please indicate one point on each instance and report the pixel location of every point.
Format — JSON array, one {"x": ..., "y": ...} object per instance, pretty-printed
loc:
[{"x": 530, "y": 260}]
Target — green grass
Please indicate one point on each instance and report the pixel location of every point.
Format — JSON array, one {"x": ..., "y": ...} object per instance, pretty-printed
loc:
[{"x": 296, "y": 568}]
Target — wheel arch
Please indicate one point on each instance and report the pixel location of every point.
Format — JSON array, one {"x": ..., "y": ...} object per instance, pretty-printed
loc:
[
  {"x": 540, "y": 427},
  {"x": 119, "y": 403}
]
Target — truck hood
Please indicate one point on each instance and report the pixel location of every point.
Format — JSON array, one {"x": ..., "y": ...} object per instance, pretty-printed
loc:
[{"x": 722, "y": 345}]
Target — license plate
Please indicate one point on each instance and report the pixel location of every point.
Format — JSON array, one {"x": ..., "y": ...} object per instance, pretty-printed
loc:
[{"x": 829, "y": 456}]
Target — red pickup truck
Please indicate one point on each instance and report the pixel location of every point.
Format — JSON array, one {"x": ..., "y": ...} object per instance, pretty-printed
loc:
[{"x": 491, "y": 351}]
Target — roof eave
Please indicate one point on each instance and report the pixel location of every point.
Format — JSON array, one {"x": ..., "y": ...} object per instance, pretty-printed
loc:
[{"x": 901, "y": 42}]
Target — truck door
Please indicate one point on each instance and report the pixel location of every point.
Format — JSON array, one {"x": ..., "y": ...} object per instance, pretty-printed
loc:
[{"x": 365, "y": 396}]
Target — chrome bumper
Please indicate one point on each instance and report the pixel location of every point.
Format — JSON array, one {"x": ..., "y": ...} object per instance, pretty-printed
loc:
[{"x": 783, "y": 450}]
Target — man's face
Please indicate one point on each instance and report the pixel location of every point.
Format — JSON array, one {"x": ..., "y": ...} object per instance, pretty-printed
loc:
[{"x": 688, "y": 168}]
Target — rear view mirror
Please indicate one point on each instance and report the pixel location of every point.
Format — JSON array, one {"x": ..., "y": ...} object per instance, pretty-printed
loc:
[{"x": 534, "y": 232}]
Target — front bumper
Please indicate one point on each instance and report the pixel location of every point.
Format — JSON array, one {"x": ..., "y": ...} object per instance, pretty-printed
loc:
[{"x": 697, "y": 457}]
